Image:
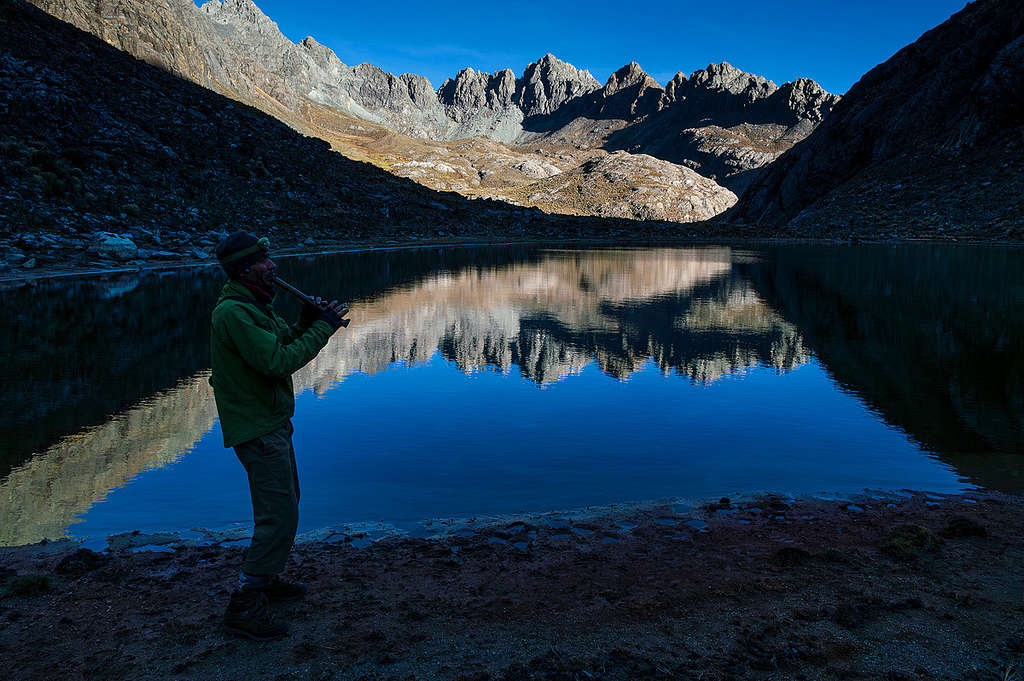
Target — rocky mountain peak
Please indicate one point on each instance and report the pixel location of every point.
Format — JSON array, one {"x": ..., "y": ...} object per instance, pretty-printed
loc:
[
  {"x": 237, "y": 12},
  {"x": 675, "y": 88},
  {"x": 321, "y": 54},
  {"x": 473, "y": 90},
  {"x": 629, "y": 93},
  {"x": 467, "y": 91},
  {"x": 550, "y": 82},
  {"x": 725, "y": 77},
  {"x": 550, "y": 61},
  {"x": 628, "y": 76},
  {"x": 806, "y": 99},
  {"x": 503, "y": 86}
]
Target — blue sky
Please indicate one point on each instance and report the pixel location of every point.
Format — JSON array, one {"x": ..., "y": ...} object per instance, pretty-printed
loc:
[{"x": 833, "y": 43}]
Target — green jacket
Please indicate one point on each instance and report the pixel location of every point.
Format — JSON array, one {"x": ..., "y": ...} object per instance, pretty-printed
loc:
[{"x": 253, "y": 354}]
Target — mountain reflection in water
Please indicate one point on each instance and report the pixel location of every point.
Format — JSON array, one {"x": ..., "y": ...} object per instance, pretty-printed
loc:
[
  {"x": 928, "y": 337},
  {"x": 551, "y": 318}
]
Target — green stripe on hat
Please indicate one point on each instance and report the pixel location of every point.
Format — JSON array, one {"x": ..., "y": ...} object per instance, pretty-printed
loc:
[{"x": 244, "y": 252}]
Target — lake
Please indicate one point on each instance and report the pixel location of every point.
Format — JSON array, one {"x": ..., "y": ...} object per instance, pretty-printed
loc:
[{"x": 495, "y": 380}]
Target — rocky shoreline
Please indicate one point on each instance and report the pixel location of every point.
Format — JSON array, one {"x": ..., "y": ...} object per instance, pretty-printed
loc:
[
  {"x": 878, "y": 586},
  {"x": 48, "y": 256},
  {"x": 37, "y": 257}
]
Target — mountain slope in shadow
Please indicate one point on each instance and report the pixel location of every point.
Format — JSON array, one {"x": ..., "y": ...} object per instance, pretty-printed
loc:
[{"x": 930, "y": 141}]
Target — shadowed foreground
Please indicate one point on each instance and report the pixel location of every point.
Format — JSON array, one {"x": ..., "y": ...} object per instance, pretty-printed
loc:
[{"x": 902, "y": 587}]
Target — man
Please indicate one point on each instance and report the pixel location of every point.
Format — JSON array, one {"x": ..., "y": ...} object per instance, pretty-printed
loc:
[{"x": 253, "y": 353}]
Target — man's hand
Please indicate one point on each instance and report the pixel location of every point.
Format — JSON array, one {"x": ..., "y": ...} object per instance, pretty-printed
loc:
[
  {"x": 310, "y": 313},
  {"x": 334, "y": 314}
]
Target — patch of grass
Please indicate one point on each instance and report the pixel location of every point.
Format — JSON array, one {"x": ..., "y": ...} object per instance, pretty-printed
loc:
[
  {"x": 907, "y": 542},
  {"x": 26, "y": 585}
]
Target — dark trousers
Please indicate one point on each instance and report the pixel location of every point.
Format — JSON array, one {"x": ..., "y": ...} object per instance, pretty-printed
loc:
[{"x": 274, "y": 485}]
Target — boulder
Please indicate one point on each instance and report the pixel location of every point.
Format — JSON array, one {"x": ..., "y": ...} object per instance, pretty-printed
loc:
[{"x": 114, "y": 246}]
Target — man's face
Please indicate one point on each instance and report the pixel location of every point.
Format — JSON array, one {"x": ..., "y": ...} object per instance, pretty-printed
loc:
[{"x": 261, "y": 273}]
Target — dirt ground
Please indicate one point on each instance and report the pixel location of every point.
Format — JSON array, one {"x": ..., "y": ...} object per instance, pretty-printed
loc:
[{"x": 890, "y": 587}]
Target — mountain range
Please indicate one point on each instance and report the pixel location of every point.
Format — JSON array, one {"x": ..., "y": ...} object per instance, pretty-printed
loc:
[
  {"x": 182, "y": 141},
  {"x": 481, "y": 134}
]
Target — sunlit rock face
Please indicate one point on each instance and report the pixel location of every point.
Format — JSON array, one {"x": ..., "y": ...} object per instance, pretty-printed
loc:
[
  {"x": 634, "y": 186},
  {"x": 232, "y": 47}
]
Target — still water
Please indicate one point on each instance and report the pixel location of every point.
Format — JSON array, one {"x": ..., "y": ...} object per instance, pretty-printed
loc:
[{"x": 481, "y": 381}]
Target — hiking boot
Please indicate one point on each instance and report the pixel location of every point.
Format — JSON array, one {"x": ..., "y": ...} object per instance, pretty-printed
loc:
[
  {"x": 248, "y": 614},
  {"x": 278, "y": 590}
]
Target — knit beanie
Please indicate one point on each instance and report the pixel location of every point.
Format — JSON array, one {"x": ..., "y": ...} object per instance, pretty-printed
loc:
[{"x": 239, "y": 250}]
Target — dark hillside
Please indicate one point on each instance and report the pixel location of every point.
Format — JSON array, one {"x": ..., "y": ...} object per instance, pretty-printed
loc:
[{"x": 930, "y": 142}]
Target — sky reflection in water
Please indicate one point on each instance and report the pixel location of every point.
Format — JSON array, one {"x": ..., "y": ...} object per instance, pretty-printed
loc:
[{"x": 489, "y": 444}]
